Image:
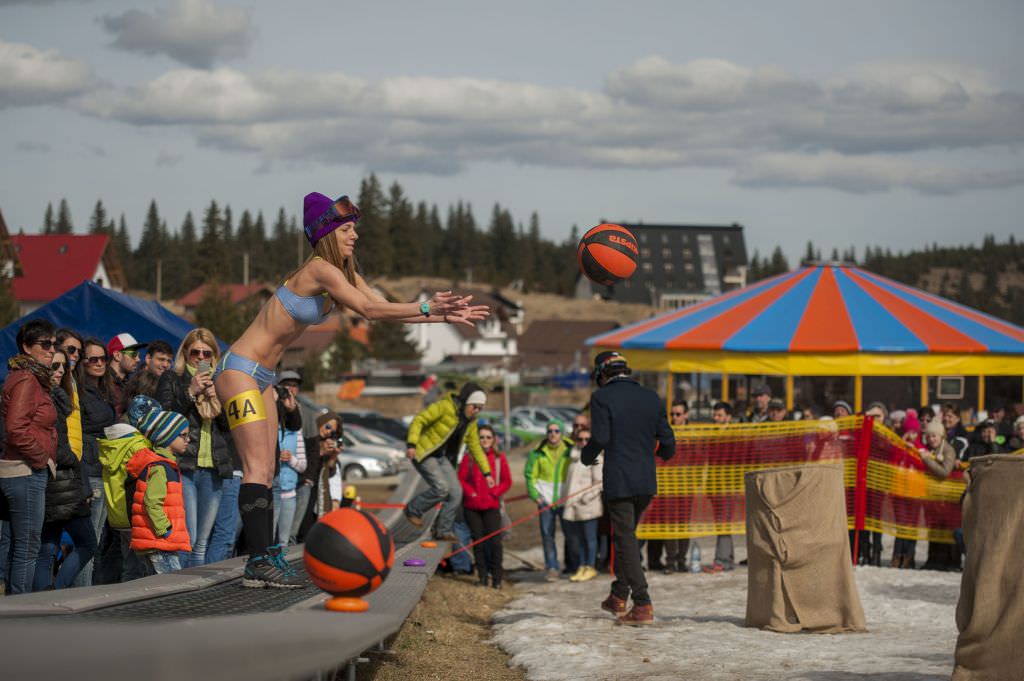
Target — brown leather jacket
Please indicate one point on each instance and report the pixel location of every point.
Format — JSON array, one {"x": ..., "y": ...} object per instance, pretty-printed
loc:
[{"x": 29, "y": 420}]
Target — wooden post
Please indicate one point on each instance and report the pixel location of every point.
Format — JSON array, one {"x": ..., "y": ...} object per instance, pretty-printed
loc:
[
  {"x": 858, "y": 393},
  {"x": 790, "y": 397}
]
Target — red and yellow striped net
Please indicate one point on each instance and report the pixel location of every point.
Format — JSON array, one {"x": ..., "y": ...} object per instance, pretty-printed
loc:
[{"x": 700, "y": 490}]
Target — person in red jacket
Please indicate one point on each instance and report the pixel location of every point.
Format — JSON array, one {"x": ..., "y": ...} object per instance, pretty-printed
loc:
[
  {"x": 482, "y": 506},
  {"x": 29, "y": 420},
  {"x": 159, "y": 531}
]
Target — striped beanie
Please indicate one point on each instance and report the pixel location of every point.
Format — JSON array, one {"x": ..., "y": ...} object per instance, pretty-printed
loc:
[
  {"x": 161, "y": 427},
  {"x": 140, "y": 409}
]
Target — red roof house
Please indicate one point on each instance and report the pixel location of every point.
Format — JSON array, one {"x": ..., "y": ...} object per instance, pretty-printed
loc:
[
  {"x": 53, "y": 264},
  {"x": 238, "y": 293}
]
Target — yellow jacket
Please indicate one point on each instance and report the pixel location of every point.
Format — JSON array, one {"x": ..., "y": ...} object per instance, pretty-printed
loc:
[{"x": 432, "y": 427}]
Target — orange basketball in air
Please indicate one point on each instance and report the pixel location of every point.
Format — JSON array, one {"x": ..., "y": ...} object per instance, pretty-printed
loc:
[
  {"x": 349, "y": 553},
  {"x": 608, "y": 254}
]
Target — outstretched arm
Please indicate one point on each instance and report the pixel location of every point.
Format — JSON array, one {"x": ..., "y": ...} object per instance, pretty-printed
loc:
[
  {"x": 344, "y": 293},
  {"x": 466, "y": 314}
]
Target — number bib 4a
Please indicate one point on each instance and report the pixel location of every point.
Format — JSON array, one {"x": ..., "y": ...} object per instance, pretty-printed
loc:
[{"x": 245, "y": 408}]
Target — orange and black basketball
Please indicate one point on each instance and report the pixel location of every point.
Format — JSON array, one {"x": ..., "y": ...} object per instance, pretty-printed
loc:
[
  {"x": 608, "y": 254},
  {"x": 349, "y": 553}
]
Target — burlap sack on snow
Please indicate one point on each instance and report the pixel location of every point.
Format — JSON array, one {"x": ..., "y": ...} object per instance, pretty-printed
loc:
[
  {"x": 800, "y": 576},
  {"x": 990, "y": 613}
]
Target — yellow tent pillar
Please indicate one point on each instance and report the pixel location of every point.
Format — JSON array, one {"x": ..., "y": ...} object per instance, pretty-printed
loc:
[
  {"x": 981, "y": 393},
  {"x": 858, "y": 393},
  {"x": 789, "y": 392},
  {"x": 670, "y": 392},
  {"x": 924, "y": 391},
  {"x": 725, "y": 387}
]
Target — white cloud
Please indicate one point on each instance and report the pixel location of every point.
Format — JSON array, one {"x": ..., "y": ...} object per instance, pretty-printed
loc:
[
  {"x": 858, "y": 131},
  {"x": 33, "y": 147},
  {"x": 29, "y": 76},
  {"x": 866, "y": 174},
  {"x": 193, "y": 32}
]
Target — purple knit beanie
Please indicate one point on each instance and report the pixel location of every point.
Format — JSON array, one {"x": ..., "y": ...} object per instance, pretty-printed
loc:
[{"x": 321, "y": 215}]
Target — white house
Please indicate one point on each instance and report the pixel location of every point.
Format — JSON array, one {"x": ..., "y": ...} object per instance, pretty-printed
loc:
[{"x": 492, "y": 338}]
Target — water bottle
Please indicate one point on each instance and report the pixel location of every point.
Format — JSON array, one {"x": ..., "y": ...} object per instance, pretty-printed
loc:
[{"x": 695, "y": 557}]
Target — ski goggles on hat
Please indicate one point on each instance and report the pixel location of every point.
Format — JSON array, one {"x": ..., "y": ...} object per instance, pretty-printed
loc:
[{"x": 340, "y": 212}]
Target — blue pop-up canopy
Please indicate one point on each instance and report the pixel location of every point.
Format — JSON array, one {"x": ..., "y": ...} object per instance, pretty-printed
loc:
[{"x": 92, "y": 310}]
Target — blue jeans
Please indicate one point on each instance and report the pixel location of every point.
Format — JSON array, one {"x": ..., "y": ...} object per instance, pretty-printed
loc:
[
  {"x": 162, "y": 562},
  {"x": 98, "y": 514},
  {"x": 301, "y": 504},
  {"x": 443, "y": 485},
  {"x": 547, "y": 536},
  {"x": 227, "y": 524},
  {"x": 584, "y": 540},
  {"x": 284, "y": 509},
  {"x": 461, "y": 561},
  {"x": 201, "y": 489},
  {"x": 81, "y": 533},
  {"x": 26, "y": 501}
]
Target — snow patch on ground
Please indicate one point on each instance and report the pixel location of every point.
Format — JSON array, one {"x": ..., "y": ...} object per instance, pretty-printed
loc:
[{"x": 557, "y": 631}]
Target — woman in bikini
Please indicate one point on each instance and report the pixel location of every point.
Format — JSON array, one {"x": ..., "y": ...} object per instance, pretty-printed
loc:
[{"x": 244, "y": 375}]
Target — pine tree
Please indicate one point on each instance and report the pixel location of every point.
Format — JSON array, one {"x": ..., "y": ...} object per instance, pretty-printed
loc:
[
  {"x": 187, "y": 273},
  {"x": 388, "y": 341},
  {"x": 48, "y": 224},
  {"x": 407, "y": 258},
  {"x": 502, "y": 238},
  {"x": 98, "y": 220},
  {"x": 216, "y": 312},
  {"x": 779, "y": 263},
  {"x": 376, "y": 251},
  {"x": 63, "y": 224},
  {"x": 211, "y": 260},
  {"x": 152, "y": 247}
]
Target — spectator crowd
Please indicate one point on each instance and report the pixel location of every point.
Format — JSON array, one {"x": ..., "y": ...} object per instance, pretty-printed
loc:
[{"x": 116, "y": 460}]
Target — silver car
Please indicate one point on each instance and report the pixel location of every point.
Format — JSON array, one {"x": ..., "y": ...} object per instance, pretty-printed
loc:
[{"x": 361, "y": 458}]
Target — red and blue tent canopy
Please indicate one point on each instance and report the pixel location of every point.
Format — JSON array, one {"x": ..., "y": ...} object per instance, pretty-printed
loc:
[{"x": 823, "y": 320}]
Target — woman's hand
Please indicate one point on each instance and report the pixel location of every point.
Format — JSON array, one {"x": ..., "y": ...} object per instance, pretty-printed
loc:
[
  {"x": 446, "y": 303},
  {"x": 286, "y": 455},
  {"x": 468, "y": 315},
  {"x": 200, "y": 382}
]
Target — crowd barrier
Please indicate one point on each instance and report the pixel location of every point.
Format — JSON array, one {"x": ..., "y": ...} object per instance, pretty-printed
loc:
[{"x": 888, "y": 489}]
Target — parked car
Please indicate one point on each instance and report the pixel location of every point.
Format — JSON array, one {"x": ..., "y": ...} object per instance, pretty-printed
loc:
[
  {"x": 376, "y": 442},
  {"x": 359, "y": 461},
  {"x": 541, "y": 416},
  {"x": 376, "y": 421}
]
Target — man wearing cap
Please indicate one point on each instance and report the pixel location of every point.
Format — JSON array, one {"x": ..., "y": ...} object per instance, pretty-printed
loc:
[
  {"x": 987, "y": 434},
  {"x": 628, "y": 424},
  {"x": 436, "y": 437},
  {"x": 776, "y": 410},
  {"x": 762, "y": 396},
  {"x": 123, "y": 351}
]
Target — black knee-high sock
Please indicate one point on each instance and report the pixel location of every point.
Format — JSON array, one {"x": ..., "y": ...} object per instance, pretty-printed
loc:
[{"x": 256, "y": 504}]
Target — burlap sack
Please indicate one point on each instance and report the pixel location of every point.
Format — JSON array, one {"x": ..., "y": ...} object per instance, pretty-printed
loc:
[
  {"x": 990, "y": 613},
  {"x": 800, "y": 576}
]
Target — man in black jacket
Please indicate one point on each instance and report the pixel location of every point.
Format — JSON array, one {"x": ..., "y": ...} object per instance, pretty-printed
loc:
[{"x": 628, "y": 423}]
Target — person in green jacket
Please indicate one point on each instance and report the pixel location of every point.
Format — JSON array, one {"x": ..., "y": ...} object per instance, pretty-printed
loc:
[
  {"x": 436, "y": 437},
  {"x": 545, "y": 471}
]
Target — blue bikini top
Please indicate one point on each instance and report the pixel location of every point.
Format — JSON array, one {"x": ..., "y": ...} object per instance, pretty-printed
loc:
[{"x": 303, "y": 309}]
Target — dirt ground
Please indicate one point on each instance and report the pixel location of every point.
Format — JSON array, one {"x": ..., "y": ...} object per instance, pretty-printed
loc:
[{"x": 446, "y": 636}]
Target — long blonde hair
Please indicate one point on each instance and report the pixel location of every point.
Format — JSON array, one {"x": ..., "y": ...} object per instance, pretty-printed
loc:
[
  {"x": 209, "y": 408},
  {"x": 327, "y": 248}
]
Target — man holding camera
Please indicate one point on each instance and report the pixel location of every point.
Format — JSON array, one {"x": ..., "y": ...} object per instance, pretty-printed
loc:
[{"x": 628, "y": 424}]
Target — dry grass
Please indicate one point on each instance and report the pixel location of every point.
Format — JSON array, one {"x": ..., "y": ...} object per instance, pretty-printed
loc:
[{"x": 445, "y": 637}]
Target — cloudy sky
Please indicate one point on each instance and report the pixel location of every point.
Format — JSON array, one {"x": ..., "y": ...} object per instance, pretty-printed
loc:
[{"x": 860, "y": 123}]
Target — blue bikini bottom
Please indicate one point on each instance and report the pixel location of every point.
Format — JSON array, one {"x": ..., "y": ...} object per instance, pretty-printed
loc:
[{"x": 264, "y": 376}]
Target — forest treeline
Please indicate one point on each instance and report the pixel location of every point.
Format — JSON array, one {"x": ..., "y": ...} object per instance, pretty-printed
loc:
[
  {"x": 989, "y": 277},
  {"x": 397, "y": 237}
]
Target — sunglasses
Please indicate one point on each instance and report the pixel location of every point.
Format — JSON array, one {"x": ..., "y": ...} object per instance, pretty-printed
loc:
[
  {"x": 677, "y": 413},
  {"x": 486, "y": 437},
  {"x": 45, "y": 344},
  {"x": 196, "y": 353},
  {"x": 58, "y": 365},
  {"x": 130, "y": 353},
  {"x": 96, "y": 359},
  {"x": 72, "y": 349},
  {"x": 554, "y": 430},
  {"x": 582, "y": 440}
]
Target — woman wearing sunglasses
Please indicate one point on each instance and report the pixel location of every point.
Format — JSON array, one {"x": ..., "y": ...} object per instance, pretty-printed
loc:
[
  {"x": 246, "y": 372},
  {"x": 206, "y": 463},
  {"x": 97, "y": 397},
  {"x": 30, "y": 447},
  {"x": 67, "y": 509}
]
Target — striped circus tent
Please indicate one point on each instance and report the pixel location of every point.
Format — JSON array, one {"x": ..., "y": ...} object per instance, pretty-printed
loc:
[{"x": 823, "y": 320}]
